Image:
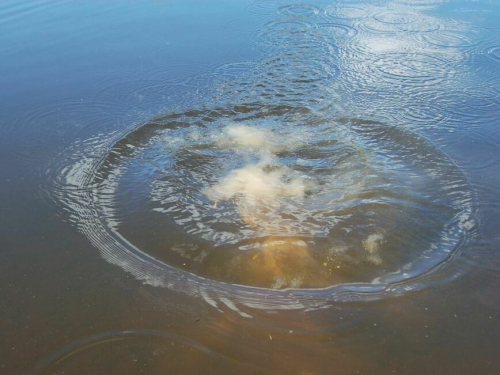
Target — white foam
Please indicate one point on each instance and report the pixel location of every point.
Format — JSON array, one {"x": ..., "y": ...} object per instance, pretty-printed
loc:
[
  {"x": 372, "y": 244},
  {"x": 259, "y": 186},
  {"x": 254, "y": 183},
  {"x": 246, "y": 137},
  {"x": 261, "y": 141}
]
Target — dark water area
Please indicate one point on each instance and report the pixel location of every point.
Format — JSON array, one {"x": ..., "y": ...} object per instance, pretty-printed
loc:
[{"x": 250, "y": 187}]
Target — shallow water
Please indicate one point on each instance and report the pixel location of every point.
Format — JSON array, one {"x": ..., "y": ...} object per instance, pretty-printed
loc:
[{"x": 250, "y": 187}]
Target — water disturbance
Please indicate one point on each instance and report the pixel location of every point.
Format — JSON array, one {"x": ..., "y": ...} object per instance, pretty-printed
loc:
[
  {"x": 275, "y": 183},
  {"x": 250, "y": 187}
]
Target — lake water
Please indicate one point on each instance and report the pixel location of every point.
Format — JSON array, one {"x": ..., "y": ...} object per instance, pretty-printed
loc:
[{"x": 250, "y": 187}]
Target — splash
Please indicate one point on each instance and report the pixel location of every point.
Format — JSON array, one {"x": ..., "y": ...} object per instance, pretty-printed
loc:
[
  {"x": 259, "y": 189},
  {"x": 372, "y": 245},
  {"x": 246, "y": 137},
  {"x": 260, "y": 182}
]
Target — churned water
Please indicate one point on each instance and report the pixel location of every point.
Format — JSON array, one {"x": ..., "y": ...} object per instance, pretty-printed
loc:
[{"x": 250, "y": 187}]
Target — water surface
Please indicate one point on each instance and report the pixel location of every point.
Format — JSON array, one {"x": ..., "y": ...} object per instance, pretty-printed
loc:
[{"x": 250, "y": 187}]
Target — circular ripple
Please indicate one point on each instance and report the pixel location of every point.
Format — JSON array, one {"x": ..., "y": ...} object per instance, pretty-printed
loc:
[
  {"x": 283, "y": 69},
  {"x": 477, "y": 104},
  {"x": 147, "y": 88},
  {"x": 134, "y": 350},
  {"x": 427, "y": 115},
  {"x": 395, "y": 18},
  {"x": 448, "y": 39},
  {"x": 493, "y": 53},
  {"x": 262, "y": 8},
  {"x": 78, "y": 114},
  {"x": 422, "y": 4},
  {"x": 420, "y": 25},
  {"x": 381, "y": 207},
  {"x": 281, "y": 33},
  {"x": 482, "y": 97},
  {"x": 387, "y": 22},
  {"x": 349, "y": 12},
  {"x": 413, "y": 69},
  {"x": 339, "y": 29},
  {"x": 299, "y": 10},
  {"x": 371, "y": 26}
]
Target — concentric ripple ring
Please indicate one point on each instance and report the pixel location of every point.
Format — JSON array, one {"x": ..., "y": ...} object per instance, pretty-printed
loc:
[{"x": 368, "y": 159}]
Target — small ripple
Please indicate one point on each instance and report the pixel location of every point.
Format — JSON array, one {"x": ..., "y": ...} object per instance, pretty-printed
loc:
[
  {"x": 483, "y": 156},
  {"x": 147, "y": 87},
  {"x": 260, "y": 7},
  {"x": 449, "y": 39},
  {"x": 349, "y": 12},
  {"x": 151, "y": 349},
  {"x": 373, "y": 27},
  {"x": 493, "y": 53},
  {"x": 79, "y": 117},
  {"x": 476, "y": 104},
  {"x": 396, "y": 18},
  {"x": 302, "y": 10},
  {"x": 339, "y": 29},
  {"x": 393, "y": 23},
  {"x": 482, "y": 97},
  {"x": 413, "y": 69},
  {"x": 422, "y": 4},
  {"x": 425, "y": 115},
  {"x": 420, "y": 25},
  {"x": 278, "y": 32},
  {"x": 11, "y": 12},
  {"x": 281, "y": 69}
]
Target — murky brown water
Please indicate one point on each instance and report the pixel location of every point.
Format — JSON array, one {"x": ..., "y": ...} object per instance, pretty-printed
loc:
[{"x": 250, "y": 187}]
